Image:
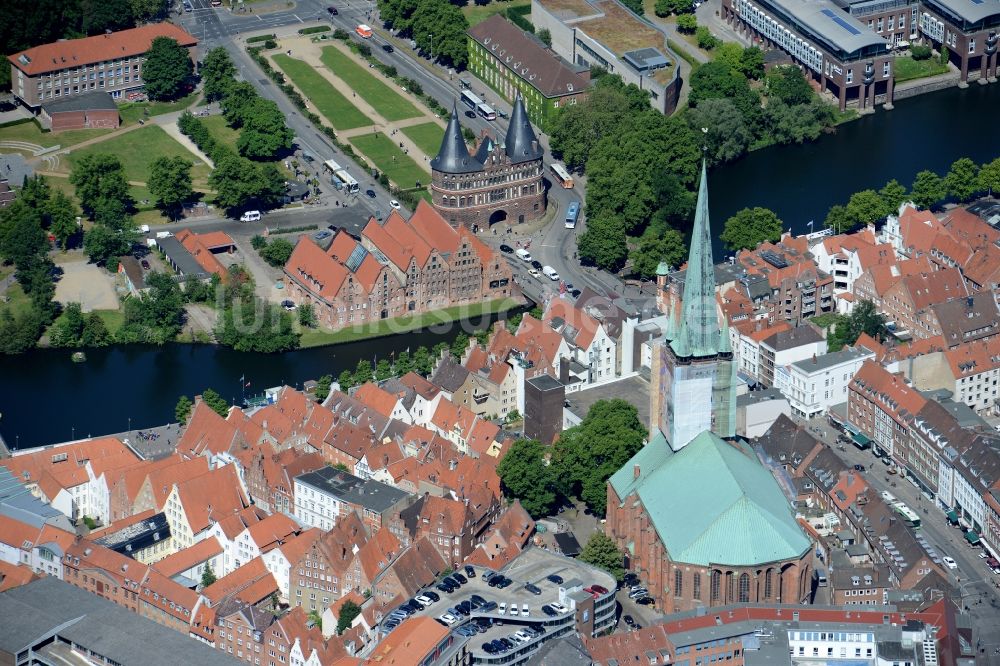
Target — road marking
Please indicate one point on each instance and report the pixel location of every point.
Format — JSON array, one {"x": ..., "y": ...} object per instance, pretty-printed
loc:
[{"x": 297, "y": 17}]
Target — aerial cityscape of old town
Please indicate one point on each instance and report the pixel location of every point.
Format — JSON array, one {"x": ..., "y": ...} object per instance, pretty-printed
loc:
[{"x": 500, "y": 332}]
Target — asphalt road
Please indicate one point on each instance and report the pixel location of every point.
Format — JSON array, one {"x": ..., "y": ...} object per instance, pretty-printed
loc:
[{"x": 973, "y": 579}]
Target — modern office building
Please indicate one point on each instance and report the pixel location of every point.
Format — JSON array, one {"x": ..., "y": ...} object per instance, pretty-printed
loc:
[
  {"x": 835, "y": 47},
  {"x": 602, "y": 33},
  {"x": 111, "y": 63},
  {"x": 502, "y": 182},
  {"x": 693, "y": 373},
  {"x": 968, "y": 30},
  {"x": 511, "y": 61}
]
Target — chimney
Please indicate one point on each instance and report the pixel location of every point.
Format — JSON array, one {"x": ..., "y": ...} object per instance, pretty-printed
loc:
[
  {"x": 814, "y": 359},
  {"x": 636, "y": 471}
]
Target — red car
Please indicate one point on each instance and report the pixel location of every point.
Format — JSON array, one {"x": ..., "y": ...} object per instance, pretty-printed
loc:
[{"x": 599, "y": 590}]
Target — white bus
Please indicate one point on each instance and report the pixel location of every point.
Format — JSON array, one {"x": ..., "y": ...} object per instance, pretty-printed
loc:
[
  {"x": 561, "y": 175},
  {"x": 486, "y": 111},
  {"x": 331, "y": 167},
  {"x": 347, "y": 181},
  {"x": 572, "y": 215},
  {"x": 470, "y": 100}
]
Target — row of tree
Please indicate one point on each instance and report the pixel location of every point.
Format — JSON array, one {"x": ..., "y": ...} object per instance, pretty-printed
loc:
[
  {"x": 578, "y": 465},
  {"x": 437, "y": 26},
  {"x": 250, "y": 324}
]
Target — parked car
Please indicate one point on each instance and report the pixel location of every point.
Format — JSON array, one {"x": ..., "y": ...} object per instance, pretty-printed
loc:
[
  {"x": 645, "y": 601},
  {"x": 448, "y": 618},
  {"x": 537, "y": 265},
  {"x": 549, "y": 610},
  {"x": 859, "y": 468},
  {"x": 534, "y": 589},
  {"x": 628, "y": 619},
  {"x": 949, "y": 562},
  {"x": 600, "y": 589},
  {"x": 506, "y": 249},
  {"x": 332, "y": 10},
  {"x": 470, "y": 571},
  {"x": 525, "y": 610},
  {"x": 424, "y": 600},
  {"x": 559, "y": 608},
  {"x": 555, "y": 579},
  {"x": 250, "y": 216},
  {"x": 489, "y": 607},
  {"x": 433, "y": 596},
  {"x": 460, "y": 578}
]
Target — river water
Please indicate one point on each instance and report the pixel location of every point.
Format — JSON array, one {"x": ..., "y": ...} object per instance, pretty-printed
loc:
[{"x": 45, "y": 398}]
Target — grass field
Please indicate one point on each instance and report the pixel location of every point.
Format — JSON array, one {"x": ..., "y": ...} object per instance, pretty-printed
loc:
[
  {"x": 386, "y": 101},
  {"x": 133, "y": 111},
  {"x": 338, "y": 110},
  {"x": 113, "y": 320},
  {"x": 479, "y": 13},
  {"x": 31, "y": 133},
  {"x": 427, "y": 136},
  {"x": 381, "y": 150},
  {"x": 138, "y": 149},
  {"x": 222, "y": 132},
  {"x": 319, "y": 337},
  {"x": 908, "y": 69}
]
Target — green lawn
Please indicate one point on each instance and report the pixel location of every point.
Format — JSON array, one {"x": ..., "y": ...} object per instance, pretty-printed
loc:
[
  {"x": 381, "y": 150},
  {"x": 222, "y": 132},
  {"x": 479, "y": 13},
  {"x": 386, "y": 101},
  {"x": 319, "y": 337},
  {"x": 113, "y": 319},
  {"x": 133, "y": 111},
  {"x": 338, "y": 110},
  {"x": 14, "y": 298},
  {"x": 908, "y": 69},
  {"x": 138, "y": 149},
  {"x": 427, "y": 136},
  {"x": 32, "y": 133}
]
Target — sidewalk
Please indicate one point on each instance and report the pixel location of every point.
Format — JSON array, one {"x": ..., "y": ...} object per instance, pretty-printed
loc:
[{"x": 168, "y": 122}]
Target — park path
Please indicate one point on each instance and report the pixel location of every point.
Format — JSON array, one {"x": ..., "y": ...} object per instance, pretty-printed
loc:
[
  {"x": 310, "y": 52},
  {"x": 168, "y": 122}
]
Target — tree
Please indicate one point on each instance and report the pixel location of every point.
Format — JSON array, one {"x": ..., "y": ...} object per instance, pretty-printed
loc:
[
  {"x": 717, "y": 79},
  {"x": 265, "y": 133},
  {"x": 323, "y": 385},
  {"x": 635, "y": 6},
  {"x": 363, "y": 372},
  {"x": 62, "y": 218},
  {"x": 68, "y": 330},
  {"x": 307, "y": 315},
  {"x": 217, "y": 72},
  {"x": 100, "y": 180},
  {"x": 545, "y": 36},
  {"x": 22, "y": 239},
  {"x": 345, "y": 380},
  {"x": 513, "y": 416},
  {"x": 728, "y": 136},
  {"x": 143, "y": 10},
  {"x": 657, "y": 243},
  {"x": 789, "y": 84},
  {"x": 383, "y": 370},
  {"x": 603, "y": 243},
  {"x": 422, "y": 361},
  {"x": 236, "y": 180},
  {"x": 170, "y": 183},
  {"x": 752, "y": 63},
  {"x": 95, "y": 332},
  {"x": 103, "y": 245},
  {"x": 257, "y": 326},
  {"x": 526, "y": 475},
  {"x": 207, "y": 576},
  {"x": 101, "y": 15},
  {"x": 795, "y": 124},
  {"x": 750, "y": 227},
  {"x": 864, "y": 318},
  {"x": 687, "y": 23},
  {"x": 237, "y": 99},
  {"x": 866, "y": 207},
  {"x": 215, "y": 402},
  {"x": 348, "y": 611},
  {"x": 183, "y": 409},
  {"x": 706, "y": 40},
  {"x": 316, "y": 619},
  {"x": 893, "y": 195},
  {"x": 586, "y": 455},
  {"x": 838, "y": 219},
  {"x": 277, "y": 252},
  {"x": 602, "y": 552},
  {"x": 403, "y": 363},
  {"x": 167, "y": 67},
  {"x": 459, "y": 345},
  {"x": 962, "y": 179},
  {"x": 928, "y": 189},
  {"x": 730, "y": 53},
  {"x": 989, "y": 177},
  {"x": 668, "y": 7}
]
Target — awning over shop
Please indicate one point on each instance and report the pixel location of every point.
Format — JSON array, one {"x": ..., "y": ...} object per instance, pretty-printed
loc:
[
  {"x": 952, "y": 516},
  {"x": 861, "y": 440},
  {"x": 972, "y": 537}
]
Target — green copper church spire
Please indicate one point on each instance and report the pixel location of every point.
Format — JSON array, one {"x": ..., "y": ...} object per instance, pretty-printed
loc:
[{"x": 699, "y": 319}]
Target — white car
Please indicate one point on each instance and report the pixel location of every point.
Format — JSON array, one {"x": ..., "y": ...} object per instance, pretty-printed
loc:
[
  {"x": 503, "y": 607},
  {"x": 949, "y": 562},
  {"x": 524, "y": 610},
  {"x": 448, "y": 618},
  {"x": 533, "y": 273},
  {"x": 424, "y": 601},
  {"x": 394, "y": 204},
  {"x": 559, "y": 608},
  {"x": 250, "y": 216},
  {"x": 513, "y": 610},
  {"x": 983, "y": 554}
]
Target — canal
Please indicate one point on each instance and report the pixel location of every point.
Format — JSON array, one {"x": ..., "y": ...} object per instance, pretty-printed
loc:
[
  {"x": 801, "y": 182},
  {"x": 45, "y": 398}
]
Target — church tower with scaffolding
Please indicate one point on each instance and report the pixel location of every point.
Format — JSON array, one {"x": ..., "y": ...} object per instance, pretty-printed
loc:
[{"x": 693, "y": 373}]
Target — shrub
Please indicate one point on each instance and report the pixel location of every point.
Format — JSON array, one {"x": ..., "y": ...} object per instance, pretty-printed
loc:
[
  {"x": 341, "y": 34},
  {"x": 270, "y": 44},
  {"x": 260, "y": 38},
  {"x": 365, "y": 50},
  {"x": 706, "y": 40},
  {"x": 920, "y": 52},
  {"x": 687, "y": 23},
  {"x": 314, "y": 29}
]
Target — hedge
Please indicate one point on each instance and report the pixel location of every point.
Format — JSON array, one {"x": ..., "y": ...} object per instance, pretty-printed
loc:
[
  {"x": 314, "y": 29},
  {"x": 260, "y": 38}
]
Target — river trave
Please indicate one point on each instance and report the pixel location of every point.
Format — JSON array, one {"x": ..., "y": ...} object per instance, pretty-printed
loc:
[{"x": 45, "y": 398}]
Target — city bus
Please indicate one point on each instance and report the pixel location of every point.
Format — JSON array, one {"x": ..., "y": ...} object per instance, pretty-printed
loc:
[
  {"x": 908, "y": 515},
  {"x": 331, "y": 167},
  {"x": 572, "y": 215},
  {"x": 486, "y": 111},
  {"x": 347, "y": 181},
  {"x": 561, "y": 175},
  {"x": 470, "y": 100}
]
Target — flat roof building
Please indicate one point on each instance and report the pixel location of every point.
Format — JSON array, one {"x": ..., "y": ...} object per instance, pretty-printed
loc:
[
  {"x": 967, "y": 30},
  {"x": 323, "y": 496}
]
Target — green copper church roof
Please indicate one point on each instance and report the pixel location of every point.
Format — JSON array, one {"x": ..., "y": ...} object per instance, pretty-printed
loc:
[
  {"x": 698, "y": 315},
  {"x": 711, "y": 503},
  {"x": 663, "y": 268}
]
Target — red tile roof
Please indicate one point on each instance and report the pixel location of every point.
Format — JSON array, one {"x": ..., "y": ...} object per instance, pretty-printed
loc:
[
  {"x": 410, "y": 643},
  {"x": 73, "y": 53},
  {"x": 206, "y": 433},
  {"x": 211, "y": 496},
  {"x": 104, "y": 455},
  {"x": 381, "y": 401},
  {"x": 182, "y": 560},
  {"x": 312, "y": 267},
  {"x": 12, "y": 575}
]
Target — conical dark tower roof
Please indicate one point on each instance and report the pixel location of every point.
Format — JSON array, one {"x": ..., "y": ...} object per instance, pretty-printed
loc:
[
  {"x": 521, "y": 143},
  {"x": 453, "y": 157}
]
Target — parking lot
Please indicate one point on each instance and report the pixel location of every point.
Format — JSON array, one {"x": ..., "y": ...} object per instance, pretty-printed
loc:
[{"x": 533, "y": 567}]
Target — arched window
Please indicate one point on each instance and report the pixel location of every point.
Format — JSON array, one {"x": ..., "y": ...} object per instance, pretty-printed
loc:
[
  {"x": 744, "y": 588},
  {"x": 697, "y": 585},
  {"x": 678, "y": 583},
  {"x": 716, "y": 582},
  {"x": 768, "y": 583}
]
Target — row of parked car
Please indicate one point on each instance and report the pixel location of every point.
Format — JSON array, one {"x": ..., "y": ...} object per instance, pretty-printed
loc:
[
  {"x": 507, "y": 643},
  {"x": 463, "y": 610}
]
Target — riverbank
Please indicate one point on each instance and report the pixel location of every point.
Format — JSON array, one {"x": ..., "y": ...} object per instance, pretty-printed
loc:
[{"x": 426, "y": 320}]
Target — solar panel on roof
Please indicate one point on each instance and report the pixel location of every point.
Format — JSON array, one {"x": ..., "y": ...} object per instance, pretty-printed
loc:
[
  {"x": 841, "y": 22},
  {"x": 357, "y": 256}
]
